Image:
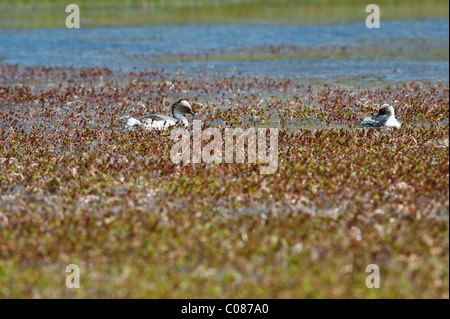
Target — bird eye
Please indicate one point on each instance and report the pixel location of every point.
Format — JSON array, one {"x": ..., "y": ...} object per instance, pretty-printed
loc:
[{"x": 187, "y": 108}]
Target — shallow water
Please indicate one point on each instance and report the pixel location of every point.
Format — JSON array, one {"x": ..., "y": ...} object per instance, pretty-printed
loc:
[
  {"x": 140, "y": 47},
  {"x": 325, "y": 69}
]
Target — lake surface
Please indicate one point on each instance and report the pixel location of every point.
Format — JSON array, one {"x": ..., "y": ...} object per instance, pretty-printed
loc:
[{"x": 142, "y": 48}]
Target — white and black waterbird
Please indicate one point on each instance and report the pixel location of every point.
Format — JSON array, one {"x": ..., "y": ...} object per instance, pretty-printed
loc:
[
  {"x": 162, "y": 122},
  {"x": 385, "y": 118}
]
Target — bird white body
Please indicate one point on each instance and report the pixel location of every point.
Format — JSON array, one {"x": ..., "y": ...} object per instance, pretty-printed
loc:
[
  {"x": 133, "y": 122},
  {"x": 158, "y": 124},
  {"x": 392, "y": 122}
]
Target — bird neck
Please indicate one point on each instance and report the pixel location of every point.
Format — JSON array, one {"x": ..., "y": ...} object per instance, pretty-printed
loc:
[{"x": 180, "y": 117}]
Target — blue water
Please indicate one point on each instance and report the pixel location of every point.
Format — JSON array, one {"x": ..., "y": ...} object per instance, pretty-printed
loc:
[{"x": 133, "y": 47}]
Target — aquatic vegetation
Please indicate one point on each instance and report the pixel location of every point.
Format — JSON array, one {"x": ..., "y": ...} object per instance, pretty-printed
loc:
[{"x": 76, "y": 188}]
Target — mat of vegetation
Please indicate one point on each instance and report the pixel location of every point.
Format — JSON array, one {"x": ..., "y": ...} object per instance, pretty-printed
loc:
[
  {"x": 75, "y": 188},
  {"x": 106, "y": 13}
]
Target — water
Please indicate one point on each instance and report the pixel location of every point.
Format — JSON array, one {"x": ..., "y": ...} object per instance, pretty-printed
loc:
[
  {"x": 139, "y": 47},
  {"x": 368, "y": 71}
]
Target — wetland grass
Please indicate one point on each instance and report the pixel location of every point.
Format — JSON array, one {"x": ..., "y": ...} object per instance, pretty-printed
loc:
[{"x": 76, "y": 188}]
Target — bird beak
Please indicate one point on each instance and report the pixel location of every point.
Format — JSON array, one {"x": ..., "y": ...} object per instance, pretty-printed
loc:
[{"x": 190, "y": 112}]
